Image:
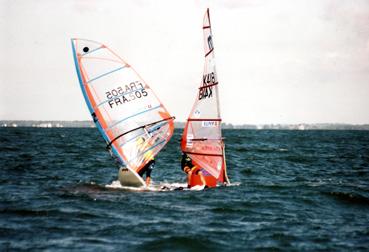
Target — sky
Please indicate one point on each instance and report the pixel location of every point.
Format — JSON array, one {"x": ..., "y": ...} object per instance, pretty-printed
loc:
[{"x": 288, "y": 61}]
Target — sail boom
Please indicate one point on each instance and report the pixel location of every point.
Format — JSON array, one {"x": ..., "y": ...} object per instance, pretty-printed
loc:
[
  {"x": 203, "y": 154},
  {"x": 141, "y": 127},
  {"x": 206, "y": 86}
]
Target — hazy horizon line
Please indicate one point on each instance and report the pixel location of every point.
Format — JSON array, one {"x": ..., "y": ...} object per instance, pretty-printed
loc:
[{"x": 229, "y": 123}]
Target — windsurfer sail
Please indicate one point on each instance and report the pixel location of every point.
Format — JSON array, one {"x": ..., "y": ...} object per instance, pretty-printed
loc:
[
  {"x": 123, "y": 107},
  {"x": 202, "y": 137}
]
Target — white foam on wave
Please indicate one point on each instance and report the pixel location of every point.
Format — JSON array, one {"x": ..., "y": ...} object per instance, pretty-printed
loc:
[
  {"x": 156, "y": 187},
  {"x": 116, "y": 185},
  {"x": 234, "y": 184},
  {"x": 165, "y": 186},
  {"x": 162, "y": 186}
]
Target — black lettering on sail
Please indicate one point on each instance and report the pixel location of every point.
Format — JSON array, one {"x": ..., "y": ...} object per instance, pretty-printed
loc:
[
  {"x": 208, "y": 79},
  {"x": 200, "y": 93},
  {"x": 207, "y": 90},
  {"x": 210, "y": 92}
]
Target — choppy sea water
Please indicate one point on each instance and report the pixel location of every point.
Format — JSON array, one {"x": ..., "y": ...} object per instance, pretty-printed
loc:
[{"x": 292, "y": 191}]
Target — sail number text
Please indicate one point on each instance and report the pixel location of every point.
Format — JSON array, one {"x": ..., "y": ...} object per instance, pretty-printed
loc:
[
  {"x": 208, "y": 82},
  {"x": 118, "y": 96}
]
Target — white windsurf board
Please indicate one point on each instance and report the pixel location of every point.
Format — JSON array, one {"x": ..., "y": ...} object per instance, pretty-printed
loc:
[{"x": 129, "y": 178}]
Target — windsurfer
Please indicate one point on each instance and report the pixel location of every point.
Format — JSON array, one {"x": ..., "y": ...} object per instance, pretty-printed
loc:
[
  {"x": 148, "y": 155},
  {"x": 191, "y": 170}
]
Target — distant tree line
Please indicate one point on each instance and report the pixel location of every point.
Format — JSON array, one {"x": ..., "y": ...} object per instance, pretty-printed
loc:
[{"x": 90, "y": 124}]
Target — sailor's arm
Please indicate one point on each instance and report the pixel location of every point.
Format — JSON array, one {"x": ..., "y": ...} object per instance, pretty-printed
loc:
[
  {"x": 189, "y": 174},
  {"x": 148, "y": 180},
  {"x": 202, "y": 178}
]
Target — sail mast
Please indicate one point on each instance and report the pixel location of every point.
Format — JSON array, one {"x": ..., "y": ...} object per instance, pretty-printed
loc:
[
  {"x": 225, "y": 176},
  {"x": 213, "y": 56}
]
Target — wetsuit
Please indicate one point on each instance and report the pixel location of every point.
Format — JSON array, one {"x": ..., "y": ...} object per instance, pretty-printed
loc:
[
  {"x": 199, "y": 175},
  {"x": 195, "y": 172},
  {"x": 147, "y": 169},
  {"x": 186, "y": 161}
]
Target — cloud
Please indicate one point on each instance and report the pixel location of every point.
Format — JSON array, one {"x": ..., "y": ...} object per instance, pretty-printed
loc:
[{"x": 274, "y": 58}]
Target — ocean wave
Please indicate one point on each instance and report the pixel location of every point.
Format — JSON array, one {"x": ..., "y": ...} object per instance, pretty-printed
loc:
[{"x": 349, "y": 198}]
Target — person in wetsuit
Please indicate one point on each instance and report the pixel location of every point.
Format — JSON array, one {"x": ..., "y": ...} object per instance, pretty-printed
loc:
[
  {"x": 190, "y": 169},
  {"x": 146, "y": 170},
  {"x": 148, "y": 155}
]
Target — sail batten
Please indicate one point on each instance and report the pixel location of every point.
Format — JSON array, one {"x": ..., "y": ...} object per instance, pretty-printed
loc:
[
  {"x": 134, "y": 138},
  {"x": 209, "y": 52},
  {"x": 112, "y": 141},
  {"x": 102, "y": 75},
  {"x": 147, "y": 150},
  {"x": 206, "y": 86},
  {"x": 131, "y": 116},
  {"x": 94, "y": 50},
  {"x": 203, "y": 154}
]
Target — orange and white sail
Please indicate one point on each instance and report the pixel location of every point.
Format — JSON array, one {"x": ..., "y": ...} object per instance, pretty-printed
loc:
[
  {"x": 202, "y": 137},
  {"x": 130, "y": 117}
]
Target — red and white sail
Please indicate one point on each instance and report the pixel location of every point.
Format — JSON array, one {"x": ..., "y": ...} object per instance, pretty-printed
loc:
[
  {"x": 130, "y": 117},
  {"x": 202, "y": 136}
]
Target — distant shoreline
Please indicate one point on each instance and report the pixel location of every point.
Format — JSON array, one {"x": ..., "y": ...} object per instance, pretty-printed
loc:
[{"x": 90, "y": 124}]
